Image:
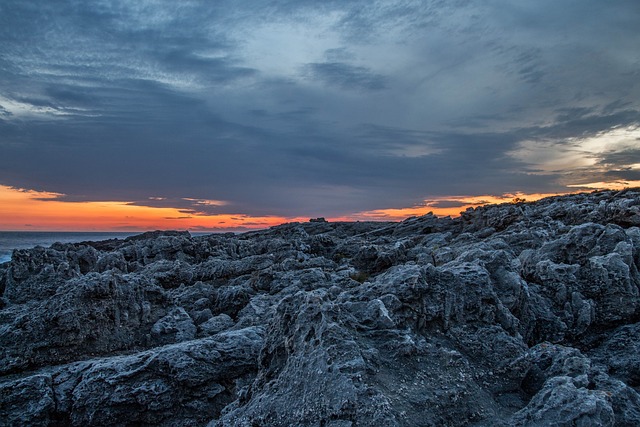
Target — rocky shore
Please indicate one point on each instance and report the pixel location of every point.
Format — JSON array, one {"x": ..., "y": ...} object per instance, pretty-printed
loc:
[{"x": 524, "y": 314}]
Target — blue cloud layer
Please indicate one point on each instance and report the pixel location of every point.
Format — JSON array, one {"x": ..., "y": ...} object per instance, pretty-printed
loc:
[{"x": 310, "y": 108}]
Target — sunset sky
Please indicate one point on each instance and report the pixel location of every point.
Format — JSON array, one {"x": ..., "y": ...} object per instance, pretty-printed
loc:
[{"x": 232, "y": 115}]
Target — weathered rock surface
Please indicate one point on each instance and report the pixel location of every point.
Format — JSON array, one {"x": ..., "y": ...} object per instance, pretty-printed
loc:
[{"x": 522, "y": 314}]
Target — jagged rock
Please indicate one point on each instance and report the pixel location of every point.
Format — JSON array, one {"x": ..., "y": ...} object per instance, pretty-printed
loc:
[
  {"x": 27, "y": 401},
  {"x": 516, "y": 314},
  {"x": 620, "y": 353},
  {"x": 176, "y": 326},
  {"x": 94, "y": 314},
  {"x": 568, "y": 389},
  {"x": 180, "y": 384},
  {"x": 216, "y": 324},
  {"x": 564, "y": 403}
]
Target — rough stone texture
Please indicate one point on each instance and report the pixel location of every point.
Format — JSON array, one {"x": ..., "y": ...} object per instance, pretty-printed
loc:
[{"x": 523, "y": 314}]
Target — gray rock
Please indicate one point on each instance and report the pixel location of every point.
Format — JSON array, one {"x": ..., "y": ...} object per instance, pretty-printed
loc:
[
  {"x": 216, "y": 324},
  {"x": 180, "y": 384},
  {"x": 568, "y": 388},
  {"x": 27, "y": 401},
  {"x": 620, "y": 353},
  {"x": 515, "y": 314},
  {"x": 562, "y": 403},
  {"x": 176, "y": 326}
]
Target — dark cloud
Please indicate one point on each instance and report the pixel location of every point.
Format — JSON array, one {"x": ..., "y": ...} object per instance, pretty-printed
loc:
[
  {"x": 577, "y": 113},
  {"x": 624, "y": 175},
  {"x": 621, "y": 158},
  {"x": 448, "y": 204},
  {"x": 586, "y": 125},
  {"x": 311, "y": 108},
  {"x": 345, "y": 75},
  {"x": 338, "y": 54}
]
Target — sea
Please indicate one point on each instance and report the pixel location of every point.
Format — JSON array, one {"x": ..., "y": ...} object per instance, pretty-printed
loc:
[{"x": 10, "y": 240}]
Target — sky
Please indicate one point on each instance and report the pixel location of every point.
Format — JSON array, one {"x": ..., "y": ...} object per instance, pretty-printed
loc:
[{"x": 203, "y": 115}]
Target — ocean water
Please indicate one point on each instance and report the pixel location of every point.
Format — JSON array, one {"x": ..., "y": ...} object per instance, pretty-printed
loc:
[{"x": 10, "y": 240}]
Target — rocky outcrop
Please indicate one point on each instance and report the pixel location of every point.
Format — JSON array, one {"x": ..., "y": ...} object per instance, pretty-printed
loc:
[{"x": 524, "y": 314}]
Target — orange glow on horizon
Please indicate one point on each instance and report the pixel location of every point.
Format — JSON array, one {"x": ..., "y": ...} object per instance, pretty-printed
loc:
[
  {"x": 38, "y": 211},
  {"x": 464, "y": 202},
  {"x": 612, "y": 185},
  {"x": 22, "y": 210},
  {"x": 461, "y": 203}
]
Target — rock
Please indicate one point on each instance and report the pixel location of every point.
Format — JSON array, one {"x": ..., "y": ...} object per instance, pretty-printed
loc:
[
  {"x": 620, "y": 353},
  {"x": 180, "y": 384},
  {"x": 94, "y": 314},
  {"x": 183, "y": 383},
  {"x": 563, "y": 403},
  {"x": 201, "y": 316},
  {"x": 515, "y": 314},
  {"x": 27, "y": 401},
  {"x": 569, "y": 389},
  {"x": 216, "y": 324},
  {"x": 176, "y": 326}
]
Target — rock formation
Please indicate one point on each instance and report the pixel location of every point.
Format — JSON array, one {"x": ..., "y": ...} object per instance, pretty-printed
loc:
[{"x": 524, "y": 314}]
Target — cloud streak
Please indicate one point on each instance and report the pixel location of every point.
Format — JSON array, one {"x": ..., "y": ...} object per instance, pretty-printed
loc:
[{"x": 345, "y": 76}]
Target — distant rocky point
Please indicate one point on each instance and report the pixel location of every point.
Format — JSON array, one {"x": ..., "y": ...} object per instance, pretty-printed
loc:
[{"x": 522, "y": 314}]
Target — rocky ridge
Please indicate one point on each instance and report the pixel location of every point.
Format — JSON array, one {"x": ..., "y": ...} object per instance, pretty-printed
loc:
[{"x": 524, "y": 314}]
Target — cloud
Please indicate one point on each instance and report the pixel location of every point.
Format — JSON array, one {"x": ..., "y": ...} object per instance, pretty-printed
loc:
[
  {"x": 606, "y": 147},
  {"x": 447, "y": 204},
  {"x": 345, "y": 76},
  {"x": 622, "y": 158},
  {"x": 314, "y": 108},
  {"x": 397, "y": 141}
]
